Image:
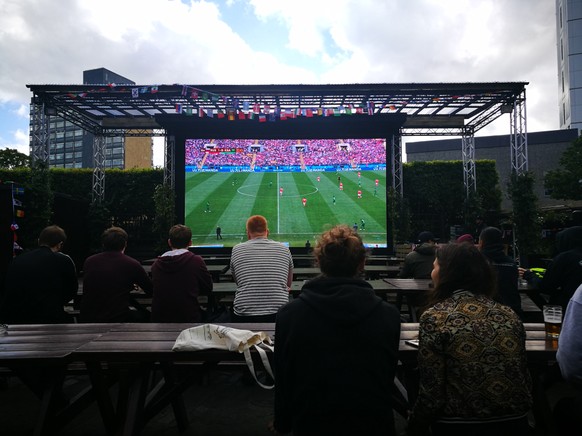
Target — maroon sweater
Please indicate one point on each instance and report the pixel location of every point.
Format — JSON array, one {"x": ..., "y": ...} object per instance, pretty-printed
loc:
[
  {"x": 178, "y": 280},
  {"x": 108, "y": 278}
]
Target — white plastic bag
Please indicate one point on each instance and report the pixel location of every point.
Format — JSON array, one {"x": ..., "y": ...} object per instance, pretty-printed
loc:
[{"x": 212, "y": 336}]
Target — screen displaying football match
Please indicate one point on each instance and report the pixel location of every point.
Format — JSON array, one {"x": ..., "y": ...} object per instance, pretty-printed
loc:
[{"x": 302, "y": 187}]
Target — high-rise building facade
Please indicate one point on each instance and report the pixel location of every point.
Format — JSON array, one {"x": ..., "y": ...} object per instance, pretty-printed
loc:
[
  {"x": 72, "y": 147},
  {"x": 569, "y": 42}
]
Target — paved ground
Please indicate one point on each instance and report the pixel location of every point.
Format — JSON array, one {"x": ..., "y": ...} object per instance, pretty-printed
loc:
[{"x": 225, "y": 404}]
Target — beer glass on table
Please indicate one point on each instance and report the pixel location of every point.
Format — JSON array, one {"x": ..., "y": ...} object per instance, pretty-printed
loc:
[{"x": 552, "y": 320}]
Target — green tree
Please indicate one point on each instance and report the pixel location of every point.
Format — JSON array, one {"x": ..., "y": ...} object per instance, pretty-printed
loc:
[
  {"x": 565, "y": 183},
  {"x": 525, "y": 214},
  {"x": 11, "y": 158}
]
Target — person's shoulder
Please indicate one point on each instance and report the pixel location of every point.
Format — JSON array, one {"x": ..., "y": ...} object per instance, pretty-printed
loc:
[{"x": 64, "y": 258}]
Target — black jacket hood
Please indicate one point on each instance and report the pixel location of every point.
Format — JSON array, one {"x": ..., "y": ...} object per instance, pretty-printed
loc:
[{"x": 345, "y": 301}]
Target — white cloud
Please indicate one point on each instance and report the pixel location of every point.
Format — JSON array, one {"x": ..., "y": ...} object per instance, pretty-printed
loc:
[
  {"x": 18, "y": 141},
  {"x": 22, "y": 111},
  {"x": 163, "y": 41}
]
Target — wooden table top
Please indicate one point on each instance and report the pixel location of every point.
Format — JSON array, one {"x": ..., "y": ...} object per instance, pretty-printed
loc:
[{"x": 38, "y": 344}]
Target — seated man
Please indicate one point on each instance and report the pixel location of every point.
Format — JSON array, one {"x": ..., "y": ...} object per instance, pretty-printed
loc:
[
  {"x": 491, "y": 245},
  {"x": 418, "y": 263},
  {"x": 108, "y": 279},
  {"x": 263, "y": 272},
  {"x": 179, "y": 276},
  {"x": 564, "y": 274},
  {"x": 40, "y": 282}
]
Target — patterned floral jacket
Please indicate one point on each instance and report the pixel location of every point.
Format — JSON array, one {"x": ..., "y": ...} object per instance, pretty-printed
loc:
[{"x": 472, "y": 362}]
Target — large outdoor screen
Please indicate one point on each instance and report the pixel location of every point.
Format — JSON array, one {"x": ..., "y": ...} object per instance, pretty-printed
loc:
[{"x": 302, "y": 187}]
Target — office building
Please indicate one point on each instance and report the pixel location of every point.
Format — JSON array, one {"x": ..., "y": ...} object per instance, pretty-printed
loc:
[{"x": 569, "y": 44}]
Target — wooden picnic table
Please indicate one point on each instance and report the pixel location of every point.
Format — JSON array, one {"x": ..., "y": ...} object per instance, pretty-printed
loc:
[{"x": 134, "y": 351}]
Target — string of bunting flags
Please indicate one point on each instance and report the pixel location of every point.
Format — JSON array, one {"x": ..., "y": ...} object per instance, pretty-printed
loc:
[{"x": 192, "y": 101}]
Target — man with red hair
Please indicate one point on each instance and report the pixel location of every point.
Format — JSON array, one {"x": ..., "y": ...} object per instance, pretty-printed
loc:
[{"x": 263, "y": 272}]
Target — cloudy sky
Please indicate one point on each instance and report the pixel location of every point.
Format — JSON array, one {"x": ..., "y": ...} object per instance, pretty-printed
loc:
[{"x": 278, "y": 41}]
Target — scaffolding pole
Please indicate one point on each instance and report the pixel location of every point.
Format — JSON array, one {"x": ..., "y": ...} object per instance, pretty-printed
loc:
[
  {"x": 39, "y": 132},
  {"x": 169, "y": 161},
  {"x": 468, "y": 152},
  {"x": 396, "y": 164},
  {"x": 98, "y": 168},
  {"x": 518, "y": 135}
]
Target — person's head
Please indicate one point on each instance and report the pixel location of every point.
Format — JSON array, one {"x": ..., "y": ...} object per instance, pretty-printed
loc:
[
  {"x": 424, "y": 237},
  {"x": 257, "y": 227},
  {"x": 468, "y": 238},
  {"x": 114, "y": 239},
  {"x": 461, "y": 266},
  {"x": 53, "y": 237},
  {"x": 180, "y": 236},
  {"x": 490, "y": 236},
  {"x": 340, "y": 252}
]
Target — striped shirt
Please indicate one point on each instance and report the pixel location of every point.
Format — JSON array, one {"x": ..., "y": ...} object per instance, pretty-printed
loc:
[{"x": 261, "y": 269}]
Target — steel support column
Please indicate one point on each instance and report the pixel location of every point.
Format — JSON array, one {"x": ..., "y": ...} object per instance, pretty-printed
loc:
[
  {"x": 468, "y": 152},
  {"x": 98, "y": 168},
  {"x": 39, "y": 132},
  {"x": 169, "y": 161},
  {"x": 396, "y": 163},
  {"x": 518, "y": 135}
]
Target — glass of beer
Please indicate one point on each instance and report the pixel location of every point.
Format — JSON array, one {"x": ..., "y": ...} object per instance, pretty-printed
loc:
[{"x": 552, "y": 320}]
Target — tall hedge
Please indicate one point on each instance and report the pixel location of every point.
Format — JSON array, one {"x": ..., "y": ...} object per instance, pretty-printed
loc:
[
  {"x": 436, "y": 197},
  {"x": 128, "y": 202}
]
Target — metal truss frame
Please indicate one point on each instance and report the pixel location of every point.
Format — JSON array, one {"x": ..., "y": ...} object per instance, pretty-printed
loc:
[
  {"x": 518, "y": 135},
  {"x": 98, "y": 168},
  {"x": 432, "y": 109},
  {"x": 396, "y": 164},
  {"x": 468, "y": 152},
  {"x": 39, "y": 133},
  {"x": 169, "y": 160}
]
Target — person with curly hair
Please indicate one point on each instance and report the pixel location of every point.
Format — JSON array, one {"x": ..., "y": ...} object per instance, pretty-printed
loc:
[{"x": 336, "y": 348}]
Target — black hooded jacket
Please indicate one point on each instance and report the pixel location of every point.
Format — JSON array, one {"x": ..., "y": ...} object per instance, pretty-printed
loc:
[
  {"x": 336, "y": 350},
  {"x": 507, "y": 276},
  {"x": 564, "y": 274}
]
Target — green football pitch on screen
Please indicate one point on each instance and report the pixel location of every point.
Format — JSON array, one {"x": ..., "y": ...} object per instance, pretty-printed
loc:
[{"x": 298, "y": 205}]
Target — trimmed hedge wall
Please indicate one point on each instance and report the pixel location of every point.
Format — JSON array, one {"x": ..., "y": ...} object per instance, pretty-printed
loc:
[{"x": 435, "y": 195}]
